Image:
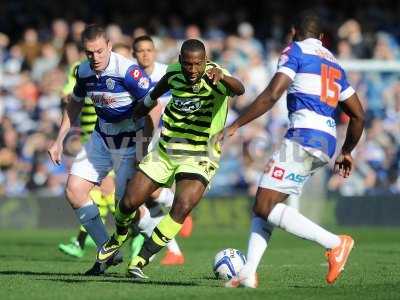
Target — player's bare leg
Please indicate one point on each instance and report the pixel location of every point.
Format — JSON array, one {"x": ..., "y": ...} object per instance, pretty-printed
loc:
[
  {"x": 188, "y": 193},
  {"x": 77, "y": 193},
  {"x": 269, "y": 207},
  {"x": 137, "y": 192},
  {"x": 161, "y": 199}
]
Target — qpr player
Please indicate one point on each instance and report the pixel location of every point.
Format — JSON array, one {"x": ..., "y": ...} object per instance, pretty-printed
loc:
[
  {"x": 115, "y": 85},
  {"x": 316, "y": 86}
]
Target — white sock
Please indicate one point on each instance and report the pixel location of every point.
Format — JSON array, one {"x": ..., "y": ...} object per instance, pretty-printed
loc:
[
  {"x": 294, "y": 222},
  {"x": 294, "y": 201},
  {"x": 150, "y": 223},
  {"x": 166, "y": 197},
  {"x": 146, "y": 223},
  {"x": 260, "y": 233},
  {"x": 174, "y": 247}
]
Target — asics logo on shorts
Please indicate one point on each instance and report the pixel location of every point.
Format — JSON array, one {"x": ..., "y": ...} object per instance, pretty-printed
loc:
[{"x": 296, "y": 178}]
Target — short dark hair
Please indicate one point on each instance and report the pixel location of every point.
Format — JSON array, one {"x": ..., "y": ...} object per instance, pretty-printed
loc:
[
  {"x": 141, "y": 38},
  {"x": 308, "y": 22},
  {"x": 193, "y": 45},
  {"x": 93, "y": 31}
]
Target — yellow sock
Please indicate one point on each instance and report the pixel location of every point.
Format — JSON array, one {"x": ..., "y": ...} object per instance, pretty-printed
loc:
[
  {"x": 165, "y": 231},
  {"x": 137, "y": 261},
  {"x": 95, "y": 195},
  {"x": 110, "y": 200},
  {"x": 103, "y": 210}
]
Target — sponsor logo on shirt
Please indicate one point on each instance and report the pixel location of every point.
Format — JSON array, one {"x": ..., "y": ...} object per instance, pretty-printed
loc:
[
  {"x": 331, "y": 123},
  {"x": 102, "y": 100},
  {"x": 186, "y": 105}
]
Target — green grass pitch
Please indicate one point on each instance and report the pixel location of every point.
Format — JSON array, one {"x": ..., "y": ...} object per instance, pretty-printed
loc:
[{"x": 31, "y": 267}]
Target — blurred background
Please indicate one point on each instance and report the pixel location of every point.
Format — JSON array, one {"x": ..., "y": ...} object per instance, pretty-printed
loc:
[{"x": 39, "y": 41}]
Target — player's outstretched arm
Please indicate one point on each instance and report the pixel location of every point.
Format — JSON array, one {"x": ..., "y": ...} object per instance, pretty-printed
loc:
[
  {"x": 70, "y": 113},
  {"x": 151, "y": 99},
  {"x": 264, "y": 102},
  {"x": 352, "y": 107}
]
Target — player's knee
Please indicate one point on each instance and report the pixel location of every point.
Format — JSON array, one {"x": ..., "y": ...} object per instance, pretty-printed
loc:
[
  {"x": 261, "y": 209},
  {"x": 74, "y": 198},
  {"x": 77, "y": 193},
  {"x": 129, "y": 199}
]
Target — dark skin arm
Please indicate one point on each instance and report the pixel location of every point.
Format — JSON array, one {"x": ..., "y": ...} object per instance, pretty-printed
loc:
[
  {"x": 263, "y": 103},
  {"x": 233, "y": 84},
  {"x": 352, "y": 107},
  {"x": 160, "y": 89}
]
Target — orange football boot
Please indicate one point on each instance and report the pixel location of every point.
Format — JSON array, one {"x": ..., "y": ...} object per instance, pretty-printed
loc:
[
  {"x": 171, "y": 259},
  {"x": 187, "y": 227},
  {"x": 337, "y": 258}
]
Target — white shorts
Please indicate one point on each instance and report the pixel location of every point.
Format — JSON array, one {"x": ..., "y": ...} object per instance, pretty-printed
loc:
[
  {"x": 96, "y": 160},
  {"x": 289, "y": 168}
]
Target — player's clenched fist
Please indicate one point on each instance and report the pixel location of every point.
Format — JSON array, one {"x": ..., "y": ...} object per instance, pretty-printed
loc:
[{"x": 215, "y": 74}]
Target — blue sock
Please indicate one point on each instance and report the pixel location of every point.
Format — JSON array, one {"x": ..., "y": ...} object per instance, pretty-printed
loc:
[{"x": 89, "y": 217}]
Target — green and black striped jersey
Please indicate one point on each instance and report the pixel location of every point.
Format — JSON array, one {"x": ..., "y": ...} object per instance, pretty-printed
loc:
[
  {"x": 193, "y": 115},
  {"x": 88, "y": 115}
]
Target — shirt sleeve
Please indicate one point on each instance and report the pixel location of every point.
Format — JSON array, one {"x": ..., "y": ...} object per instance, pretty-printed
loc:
[
  {"x": 228, "y": 91},
  {"x": 137, "y": 83},
  {"x": 79, "y": 91},
  {"x": 346, "y": 89},
  {"x": 71, "y": 80},
  {"x": 289, "y": 61}
]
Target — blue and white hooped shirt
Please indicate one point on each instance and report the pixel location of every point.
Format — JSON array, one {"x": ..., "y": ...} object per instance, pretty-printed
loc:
[
  {"x": 114, "y": 93},
  {"x": 319, "y": 83}
]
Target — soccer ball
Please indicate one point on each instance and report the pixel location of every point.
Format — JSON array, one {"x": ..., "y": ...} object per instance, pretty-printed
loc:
[{"x": 227, "y": 263}]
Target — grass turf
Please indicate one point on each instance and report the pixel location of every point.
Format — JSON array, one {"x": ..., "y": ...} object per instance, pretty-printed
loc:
[{"x": 31, "y": 267}]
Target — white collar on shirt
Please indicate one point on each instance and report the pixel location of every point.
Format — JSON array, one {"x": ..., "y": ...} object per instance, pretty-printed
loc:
[{"x": 313, "y": 41}]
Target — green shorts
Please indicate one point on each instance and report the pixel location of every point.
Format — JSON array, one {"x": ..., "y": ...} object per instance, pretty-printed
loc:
[{"x": 165, "y": 169}]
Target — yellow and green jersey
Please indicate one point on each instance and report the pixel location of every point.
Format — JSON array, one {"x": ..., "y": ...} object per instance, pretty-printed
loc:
[
  {"x": 88, "y": 115},
  {"x": 193, "y": 115}
]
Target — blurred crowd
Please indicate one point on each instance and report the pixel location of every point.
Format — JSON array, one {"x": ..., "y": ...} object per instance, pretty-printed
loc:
[{"x": 33, "y": 70}]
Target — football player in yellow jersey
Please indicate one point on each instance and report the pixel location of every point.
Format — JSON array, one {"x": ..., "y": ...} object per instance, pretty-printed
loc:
[
  {"x": 145, "y": 53},
  {"x": 186, "y": 152}
]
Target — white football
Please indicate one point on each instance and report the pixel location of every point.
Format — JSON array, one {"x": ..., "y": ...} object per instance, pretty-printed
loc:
[{"x": 227, "y": 263}]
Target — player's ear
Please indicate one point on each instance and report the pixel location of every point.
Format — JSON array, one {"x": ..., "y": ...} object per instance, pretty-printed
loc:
[
  {"x": 321, "y": 36},
  {"x": 109, "y": 45}
]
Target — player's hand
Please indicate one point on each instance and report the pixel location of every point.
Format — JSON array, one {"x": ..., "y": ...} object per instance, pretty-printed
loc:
[
  {"x": 344, "y": 165},
  {"x": 55, "y": 151},
  {"x": 215, "y": 74},
  {"x": 227, "y": 132}
]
